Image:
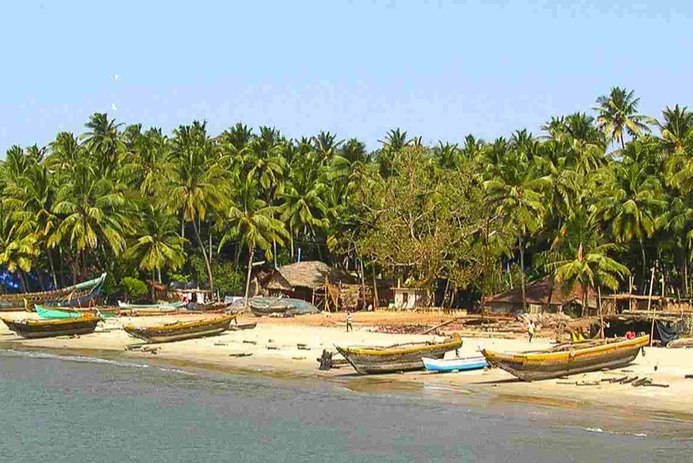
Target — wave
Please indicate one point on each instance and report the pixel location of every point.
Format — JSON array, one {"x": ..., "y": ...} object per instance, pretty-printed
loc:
[
  {"x": 600, "y": 430},
  {"x": 86, "y": 359}
]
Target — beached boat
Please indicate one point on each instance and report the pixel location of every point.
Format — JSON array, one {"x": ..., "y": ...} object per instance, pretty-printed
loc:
[
  {"x": 455, "y": 364},
  {"x": 568, "y": 359},
  {"x": 49, "y": 328},
  {"x": 402, "y": 357},
  {"x": 163, "y": 306},
  {"x": 79, "y": 295},
  {"x": 59, "y": 313},
  {"x": 178, "y": 331},
  {"x": 263, "y": 306}
]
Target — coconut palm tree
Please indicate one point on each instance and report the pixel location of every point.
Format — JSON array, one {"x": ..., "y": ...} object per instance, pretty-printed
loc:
[
  {"x": 198, "y": 184},
  {"x": 630, "y": 199},
  {"x": 95, "y": 214},
  {"x": 591, "y": 268},
  {"x": 251, "y": 221},
  {"x": 158, "y": 245},
  {"x": 18, "y": 251},
  {"x": 516, "y": 189},
  {"x": 617, "y": 114}
]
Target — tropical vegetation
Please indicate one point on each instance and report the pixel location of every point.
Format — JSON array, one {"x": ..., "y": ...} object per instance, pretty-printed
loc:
[{"x": 593, "y": 198}]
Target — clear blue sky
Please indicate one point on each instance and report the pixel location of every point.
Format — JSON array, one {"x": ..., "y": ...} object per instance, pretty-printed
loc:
[{"x": 441, "y": 69}]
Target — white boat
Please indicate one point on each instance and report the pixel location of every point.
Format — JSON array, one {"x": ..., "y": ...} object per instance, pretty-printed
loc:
[{"x": 455, "y": 364}]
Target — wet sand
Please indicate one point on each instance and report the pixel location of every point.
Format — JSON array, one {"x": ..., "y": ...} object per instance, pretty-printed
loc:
[{"x": 274, "y": 350}]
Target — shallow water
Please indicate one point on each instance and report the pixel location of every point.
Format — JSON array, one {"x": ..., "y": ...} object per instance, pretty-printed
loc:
[{"x": 76, "y": 409}]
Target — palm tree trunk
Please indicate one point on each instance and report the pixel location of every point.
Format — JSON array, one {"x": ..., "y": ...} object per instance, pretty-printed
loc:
[
  {"x": 292, "y": 246},
  {"x": 601, "y": 313},
  {"x": 50, "y": 262},
  {"x": 644, "y": 266},
  {"x": 247, "y": 280},
  {"x": 584, "y": 300},
  {"x": 22, "y": 280},
  {"x": 158, "y": 274},
  {"x": 522, "y": 274},
  {"x": 375, "y": 289},
  {"x": 204, "y": 254}
]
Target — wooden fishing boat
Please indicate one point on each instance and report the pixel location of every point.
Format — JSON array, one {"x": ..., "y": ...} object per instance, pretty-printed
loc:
[
  {"x": 568, "y": 359},
  {"x": 455, "y": 364},
  {"x": 179, "y": 330},
  {"x": 49, "y": 328},
  {"x": 58, "y": 313},
  {"x": 402, "y": 357},
  {"x": 79, "y": 295},
  {"x": 264, "y": 306},
  {"x": 163, "y": 306}
]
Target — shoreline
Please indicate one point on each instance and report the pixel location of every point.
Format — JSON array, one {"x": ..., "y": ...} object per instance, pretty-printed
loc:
[{"x": 285, "y": 362}]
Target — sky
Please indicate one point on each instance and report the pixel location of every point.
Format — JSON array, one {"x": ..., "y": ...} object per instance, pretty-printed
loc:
[{"x": 439, "y": 69}]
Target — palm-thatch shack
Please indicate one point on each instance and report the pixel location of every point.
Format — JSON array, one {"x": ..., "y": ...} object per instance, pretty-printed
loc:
[
  {"x": 543, "y": 296},
  {"x": 306, "y": 280}
]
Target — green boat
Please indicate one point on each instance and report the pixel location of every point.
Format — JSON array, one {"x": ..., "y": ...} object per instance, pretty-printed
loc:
[{"x": 55, "y": 313}]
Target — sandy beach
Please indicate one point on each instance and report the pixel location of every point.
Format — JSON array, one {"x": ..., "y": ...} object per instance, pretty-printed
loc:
[{"x": 274, "y": 349}]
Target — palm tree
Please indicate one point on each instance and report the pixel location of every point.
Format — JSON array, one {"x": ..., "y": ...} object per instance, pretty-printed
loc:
[
  {"x": 158, "y": 245},
  {"x": 250, "y": 220},
  {"x": 94, "y": 211},
  {"x": 515, "y": 186},
  {"x": 103, "y": 143},
  {"x": 630, "y": 199},
  {"x": 618, "y": 113},
  {"x": 30, "y": 199},
  {"x": 17, "y": 250},
  {"x": 199, "y": 184},
  {"x": 591, "y": 268}
]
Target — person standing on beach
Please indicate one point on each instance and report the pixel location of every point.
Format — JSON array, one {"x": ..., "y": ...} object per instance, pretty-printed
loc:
[
  {"x": 348, "y": 321},
  {"x": 530, "y": 330}
]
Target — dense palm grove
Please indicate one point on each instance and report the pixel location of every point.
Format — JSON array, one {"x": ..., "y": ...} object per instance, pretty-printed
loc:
[{"x": 594, "y": 200}]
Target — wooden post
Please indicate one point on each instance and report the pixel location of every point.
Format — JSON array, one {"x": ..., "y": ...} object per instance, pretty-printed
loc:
[
  {"x": 649, "y": 304},
  {"x": 630, "y": 293},
  {"x": 375, "y": 290},
  {"x": 601, "y": 312}
]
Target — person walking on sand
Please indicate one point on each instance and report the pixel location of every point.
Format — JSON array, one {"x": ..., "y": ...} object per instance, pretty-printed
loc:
[
  {"x": 348, "y": 321},
  {"x": 530, "y": 330}
]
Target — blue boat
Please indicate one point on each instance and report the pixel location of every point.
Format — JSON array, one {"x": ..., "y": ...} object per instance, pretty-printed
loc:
[{"x": 455, "y": 364}]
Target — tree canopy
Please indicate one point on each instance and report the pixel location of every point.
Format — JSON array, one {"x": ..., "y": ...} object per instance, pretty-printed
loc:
[{"x": 589, "y": 199}]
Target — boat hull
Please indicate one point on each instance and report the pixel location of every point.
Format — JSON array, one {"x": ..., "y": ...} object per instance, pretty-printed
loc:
[
  {"x": 80, "y": 295},
  {"x": 374, "y": 360},
  {"x": 164, "y": 306},
  {"x": 463, "y": 364},
  {"x": 548, "y": 365},
  {"x": 32, "y": 329},
  {"x": 180, "y": 331},
  {"x": 55, "y": 314}
]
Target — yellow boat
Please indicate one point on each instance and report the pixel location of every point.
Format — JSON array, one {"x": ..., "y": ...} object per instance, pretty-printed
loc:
[
  {"x": 568, "y": 359},
  {"x": 402, "y": 357},
  {"x": 178, "y": 330}
]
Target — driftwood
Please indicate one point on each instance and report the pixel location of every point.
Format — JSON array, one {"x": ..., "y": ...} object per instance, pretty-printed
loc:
[
  {"x": 241, "y": 354},
  {"x": 440, "y": 326}
]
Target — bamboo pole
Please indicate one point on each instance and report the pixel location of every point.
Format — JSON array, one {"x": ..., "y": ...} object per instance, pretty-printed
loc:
[{"x": 649, "y": 304}]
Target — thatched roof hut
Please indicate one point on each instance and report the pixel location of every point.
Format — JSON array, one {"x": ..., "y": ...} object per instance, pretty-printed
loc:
[
  {"x": 302, "y": 278},
  {"x": 541, "y": 295}
]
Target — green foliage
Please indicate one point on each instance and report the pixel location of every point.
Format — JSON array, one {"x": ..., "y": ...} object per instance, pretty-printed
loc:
[
  {"x": 228, "y": 278},
  {"x": 479, "y": 214},
  {"x": 133, "y": 288}
]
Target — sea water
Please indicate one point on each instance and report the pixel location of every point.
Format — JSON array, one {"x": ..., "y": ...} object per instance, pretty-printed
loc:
[{"x": 76, "y": 409}]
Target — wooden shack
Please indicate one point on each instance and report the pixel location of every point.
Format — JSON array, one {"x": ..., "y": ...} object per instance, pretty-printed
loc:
[
  {"x": 542, "y": 296},
  {"x": 306, "y": 280}
]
